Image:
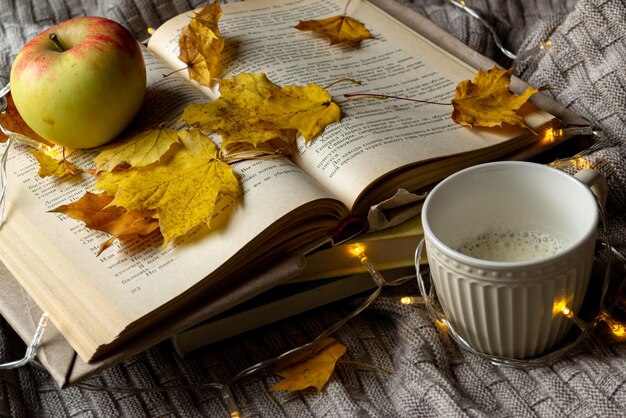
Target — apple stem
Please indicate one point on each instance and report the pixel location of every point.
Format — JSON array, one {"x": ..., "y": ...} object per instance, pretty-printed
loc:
[{"x": 57, "y": 42}]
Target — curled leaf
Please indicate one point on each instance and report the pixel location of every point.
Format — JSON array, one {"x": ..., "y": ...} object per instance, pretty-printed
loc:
[
  {"x": 138, "y": 150},
  {"x": 313, "y": 370},
  {"x": 338, "y": 29},
  {"x": 95, "y": 210},
  {"x": 201, "y": 44},
  {"x": 197, "y": 66},
  {"x": 487, "y": 101},
  {"x": 51, "y": 166}
]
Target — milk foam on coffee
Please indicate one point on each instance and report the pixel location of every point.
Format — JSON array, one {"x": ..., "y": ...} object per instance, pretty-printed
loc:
[{"x": 507, "y": 244}]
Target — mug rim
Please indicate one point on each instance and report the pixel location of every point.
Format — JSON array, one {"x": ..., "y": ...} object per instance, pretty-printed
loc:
[{"x": 501, "y": 265}]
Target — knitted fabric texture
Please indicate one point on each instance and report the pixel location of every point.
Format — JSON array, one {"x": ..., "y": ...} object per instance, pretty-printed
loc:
[{"x": 430, "y": 376}]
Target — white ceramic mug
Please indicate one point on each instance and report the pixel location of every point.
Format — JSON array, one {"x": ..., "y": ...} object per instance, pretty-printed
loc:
[{"x": 509, "y": 308}]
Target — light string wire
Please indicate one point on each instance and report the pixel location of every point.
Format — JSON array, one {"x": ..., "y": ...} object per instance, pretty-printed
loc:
[
  {"x": 473, "y": 13},
  {"x": 3, "y": 175},
  {"x": 380, "y": 283},
  {"x": 13, "y": 137},
  {"x": 33, "y": 347},
  {"x": 224, "y": 389},
  {"x": 5, "y": 153},
  {"x": 437, "y": 314},
  {"x": 308, "y": 348},
  {"x": 518, "y": 57},
  {"x": 227, "y": 396}
]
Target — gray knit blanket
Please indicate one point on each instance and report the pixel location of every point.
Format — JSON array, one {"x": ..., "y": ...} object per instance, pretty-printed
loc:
[{"x": 431, "y": 376}]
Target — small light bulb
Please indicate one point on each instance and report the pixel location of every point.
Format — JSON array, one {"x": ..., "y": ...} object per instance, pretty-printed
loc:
[
  {"x": 546, "y": 44},
  {"x": 357, "y": 250},
  {"x": 442, "y": 326},
  {"x": 407, "y": 300},
  {"x": 553, "y": 134},
  {"x": 549, "y": 137},
  {"x": 617, "y": 329},
  {"x": 582, "y": 163},
  {"x": 567, "y": 312},
  {"x": 560, "y": 307},
  {"x": 150, "y": 31}
]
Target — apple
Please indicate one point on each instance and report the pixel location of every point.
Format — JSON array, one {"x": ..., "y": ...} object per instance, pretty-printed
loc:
[{"x": 80, "y": 83}]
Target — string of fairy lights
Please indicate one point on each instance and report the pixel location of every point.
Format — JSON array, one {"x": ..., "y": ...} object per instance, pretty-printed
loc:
[{"x": 426, "y": 299}]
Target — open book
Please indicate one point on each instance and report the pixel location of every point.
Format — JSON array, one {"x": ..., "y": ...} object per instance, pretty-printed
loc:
[{"x": 288, "y": 207}]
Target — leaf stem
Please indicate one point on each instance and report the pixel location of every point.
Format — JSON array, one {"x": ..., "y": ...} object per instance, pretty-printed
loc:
[
  {"x": 67, "y": 164},
  {"x": 345, "y": 10},
  {"x": 385, "y": 97},
  {"x": 57, "y": 42},
  {"x": 175, "y": 71},
  {"x": 341, "y": 80}
]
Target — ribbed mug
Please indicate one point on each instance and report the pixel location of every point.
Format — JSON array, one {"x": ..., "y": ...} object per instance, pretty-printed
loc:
[{"x": 515, "y": 308}]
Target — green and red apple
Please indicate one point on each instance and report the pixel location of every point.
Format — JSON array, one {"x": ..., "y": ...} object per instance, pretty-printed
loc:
[{"x": 80, "y": 83}]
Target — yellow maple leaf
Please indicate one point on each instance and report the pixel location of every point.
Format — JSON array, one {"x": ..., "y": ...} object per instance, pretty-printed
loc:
[
  {"x": 310, "y": 370},
  {"x": 95, "y": 211},
  {"x": 254, "y": 110},
  {"x": 210, "y": 45},
  {"x": 231, "y": 115},
  {"x": 338, "y": 29},
  {"x": 487, "y": 101},
  {"x": 183, "y": 189},
  {"x": 201, "y": 44},
  {"x": 197, "y": 66},
  {"x": 209, "y": 16},
  {"x": 49, "y": 165},
  {"x": 138, "y": 150},
  {"x": 308, "y": 109}
]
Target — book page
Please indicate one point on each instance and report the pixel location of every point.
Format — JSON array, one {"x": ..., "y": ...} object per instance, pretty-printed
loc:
[
  {"x": 375, "y": 137},
  {"x": 91, "y": 299}
]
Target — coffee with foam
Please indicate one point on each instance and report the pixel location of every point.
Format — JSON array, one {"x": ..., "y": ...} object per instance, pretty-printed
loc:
[{"x": 510, "y": 245}]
